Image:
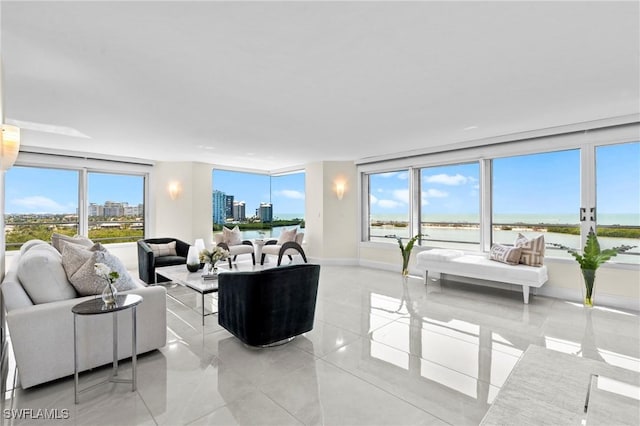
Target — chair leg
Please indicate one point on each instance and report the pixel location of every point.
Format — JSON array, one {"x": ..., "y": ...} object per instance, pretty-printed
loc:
[
  {"x": 229, "y": 259},
  {"x": 253, "y": 257},
  {"x": 262, "y": 259}
]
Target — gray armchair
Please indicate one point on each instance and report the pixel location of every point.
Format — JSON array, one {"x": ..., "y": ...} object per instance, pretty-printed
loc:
[{"x": 148, "y": 261}]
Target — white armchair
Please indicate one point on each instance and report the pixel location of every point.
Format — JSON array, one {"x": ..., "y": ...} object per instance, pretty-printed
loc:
[
  {"x": 235, "y": 247},
  {"x": 284, "y": 248}
]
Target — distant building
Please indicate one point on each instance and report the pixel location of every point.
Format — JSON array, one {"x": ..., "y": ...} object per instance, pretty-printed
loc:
[
  {"x": 134, "y": 210},
  {"x": 265, "y": 212},
  {"x": 239, "y": 211},
  {"x": 219, "y": 207},
  {"x": 228, "y": 206},
  {"x": 96, "y": 209},
  {"x": 113, "y": 209}
]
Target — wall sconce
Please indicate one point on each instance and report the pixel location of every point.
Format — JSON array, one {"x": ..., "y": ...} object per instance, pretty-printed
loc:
[
  {"x": 340, "y": 187},
  {"x": 174, "y": 190},
  {"x": 10, "y": 146}
]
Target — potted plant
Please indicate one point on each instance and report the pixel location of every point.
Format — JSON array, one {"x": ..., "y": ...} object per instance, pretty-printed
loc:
[
  {"x": 590, "y": 260},
  {"x": 406, "y": 251}
]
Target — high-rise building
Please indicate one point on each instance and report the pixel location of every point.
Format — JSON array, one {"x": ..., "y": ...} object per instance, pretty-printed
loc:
[
  {"x": 228, "y": 206},
  {"x": 265, "y": 212},
  {"x": 134, "y": 210},
  {"x": 239, "y": 211},
  {"x": 219, "y": 207},
  {"x": 113, "y": 209}
]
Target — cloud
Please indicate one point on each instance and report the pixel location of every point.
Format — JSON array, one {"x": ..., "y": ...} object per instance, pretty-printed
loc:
[
  {"x": 452, "y": 180},
  {"x": 388, "y": 174},
  {"x": 290, "y": 193},
  {"x": 372, "y": 199},
  {"x": 401, "y": 195},
  {"x": 389, "y": 204},
  {"x": 40, "y": 204},
  {"x": 435, "y": 193},
  {"x": 399, "y": 175}
]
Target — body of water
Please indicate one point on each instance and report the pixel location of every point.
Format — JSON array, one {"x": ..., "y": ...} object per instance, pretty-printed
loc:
[{"x": 623, "y": 219}]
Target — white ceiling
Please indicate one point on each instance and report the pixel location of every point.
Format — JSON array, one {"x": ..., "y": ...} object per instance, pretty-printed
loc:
[{"x": 271, "y": 85}]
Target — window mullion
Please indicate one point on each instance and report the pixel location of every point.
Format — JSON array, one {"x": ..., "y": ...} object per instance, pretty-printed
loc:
[
  {"x": 485, "y": 205},
  {"x": 83, "y": 217},
  {"x": 587, "y": 190}
]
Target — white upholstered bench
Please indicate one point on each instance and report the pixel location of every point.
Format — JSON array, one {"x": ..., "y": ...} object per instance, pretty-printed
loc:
[{"x": 455, "y": 262}]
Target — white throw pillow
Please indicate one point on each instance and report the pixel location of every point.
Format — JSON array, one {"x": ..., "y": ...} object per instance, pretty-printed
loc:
[
  {"x": 232, "y": 237},
  {"x": 42, "y": 276},
  {"x": 78, "y": 239},
  {"x": 168, "y": 249},
  {"x": 87, "y": 282},
  {"x": 287, "y": 235}
]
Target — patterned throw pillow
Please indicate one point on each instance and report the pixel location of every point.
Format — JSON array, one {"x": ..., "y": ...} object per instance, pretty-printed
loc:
[
  {"x": 87, "y": 282},
  {"x": 286, "y": 236},
  {"x": 532, "y": 250},
  {"x": 168, "y": 249},
  {"x": 504, "y": 254},
  {"x": 231, "y": 237},
  {"x": 74, "y": 256}
]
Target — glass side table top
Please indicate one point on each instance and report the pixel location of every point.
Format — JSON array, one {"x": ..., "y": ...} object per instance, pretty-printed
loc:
[{"x": 97, "y": 306}]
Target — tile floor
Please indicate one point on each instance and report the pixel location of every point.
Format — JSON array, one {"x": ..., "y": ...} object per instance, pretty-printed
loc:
[{"x": 383, "y": 352}]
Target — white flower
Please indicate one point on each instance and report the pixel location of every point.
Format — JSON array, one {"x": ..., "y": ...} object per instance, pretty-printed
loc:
[{"x": 102, "y": 270}]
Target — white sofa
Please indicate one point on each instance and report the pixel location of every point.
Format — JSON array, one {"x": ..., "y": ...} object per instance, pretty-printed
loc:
[
  {"x": 455, "y": 262},
  {"x": 42, "y": 334}
]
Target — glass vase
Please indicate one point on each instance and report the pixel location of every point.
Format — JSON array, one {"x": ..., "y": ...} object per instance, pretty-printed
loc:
[
  {"x": 588, "y": 290},
  {"x": 109, "y": 294}
]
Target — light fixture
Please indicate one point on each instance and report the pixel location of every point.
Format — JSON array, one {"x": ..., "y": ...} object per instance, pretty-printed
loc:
[
  {"x": 174, "y": 190},
  {"x": 10, "y": 146},
  {"x": 340, "y": 187}
]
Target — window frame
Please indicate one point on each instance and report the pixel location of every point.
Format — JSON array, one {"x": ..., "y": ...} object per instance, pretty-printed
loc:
[{"x": 585, "y": 140}]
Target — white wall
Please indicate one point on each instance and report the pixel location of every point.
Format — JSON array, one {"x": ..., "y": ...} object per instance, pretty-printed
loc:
[{"x": 331, "y": 224}]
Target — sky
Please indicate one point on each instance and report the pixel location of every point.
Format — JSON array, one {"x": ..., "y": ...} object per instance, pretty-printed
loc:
[
  {"x": 285, "y": 192},
  {"x": 545, "y": 184}
]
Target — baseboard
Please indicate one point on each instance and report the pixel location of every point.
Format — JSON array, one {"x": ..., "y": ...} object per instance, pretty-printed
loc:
[
  {"x": 338, "y": 261},
  {"x": 601, "y": 299}
]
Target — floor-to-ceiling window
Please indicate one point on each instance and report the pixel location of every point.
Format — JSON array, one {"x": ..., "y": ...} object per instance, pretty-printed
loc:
[
  {"x": 389, "y": 205},
  {"x": 557, "y": 186},
  {"x": 116, "y": 207},
  {"x": 537, "y": 194},
  {"x": 261, "y": 205},
  {"x": 74, "y": 199},
  {"x": 39, "y": 202},
  {"x": 450, "y": 205},
  {"x": 618, "y": 198}
]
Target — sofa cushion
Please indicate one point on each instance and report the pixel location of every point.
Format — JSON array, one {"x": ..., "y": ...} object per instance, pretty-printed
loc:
[
  {"x": 170, "y": 260},
  {"x": 160, "y": 250},
  {"x": 42, "y": 276},
  {"x": 30, "y": 244},
  {"x": 504, "y": 254},
  {"x": 532, "y": 250},
  {"x": 87, "y": 282},
  {"x": 231, "y": 237},
  {"x": 287, "y": 235},
  {"x": 78, "y": 239}
]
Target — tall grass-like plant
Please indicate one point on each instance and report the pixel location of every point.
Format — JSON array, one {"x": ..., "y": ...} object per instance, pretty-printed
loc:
[
  {"x": 406, "y": 251},
  {"x": 591, "y": 259}
]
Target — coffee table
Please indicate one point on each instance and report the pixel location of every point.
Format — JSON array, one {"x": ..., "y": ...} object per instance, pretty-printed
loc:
[{"x": 193, "y": 280}]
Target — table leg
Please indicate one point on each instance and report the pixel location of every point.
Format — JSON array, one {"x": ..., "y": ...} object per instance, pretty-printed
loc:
[
  {"x": 115, "y": 343},
  {"x": 75, "y": 358},
  {"x": 134, "y": 350},
  {"x": 203, "y": 309}
]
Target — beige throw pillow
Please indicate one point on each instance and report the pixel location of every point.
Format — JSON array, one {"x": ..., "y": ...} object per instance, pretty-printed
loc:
[
  {"x": 532, "y": 250},
  {"x": 231, "y": 237},
  {"x": 287, "y": 235},
  {"x": 74, "y": 256},
  {"x": 504, "y": 254},
  {"x": 56, "y": 240},
  {"x": 168, "y": 249},
  {"x": 87, "y": 282}
]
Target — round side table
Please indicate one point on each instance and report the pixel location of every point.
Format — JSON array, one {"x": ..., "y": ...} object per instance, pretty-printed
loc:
[{"x": 98, "y": 307}]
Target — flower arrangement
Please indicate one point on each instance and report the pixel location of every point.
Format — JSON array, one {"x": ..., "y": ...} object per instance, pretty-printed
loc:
[
  {"x": 105, "y": 272},
  {"x": 406, "y": 251},
  {"x": 211, "y": 257},
  {"x": 591, "y": 259}
]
